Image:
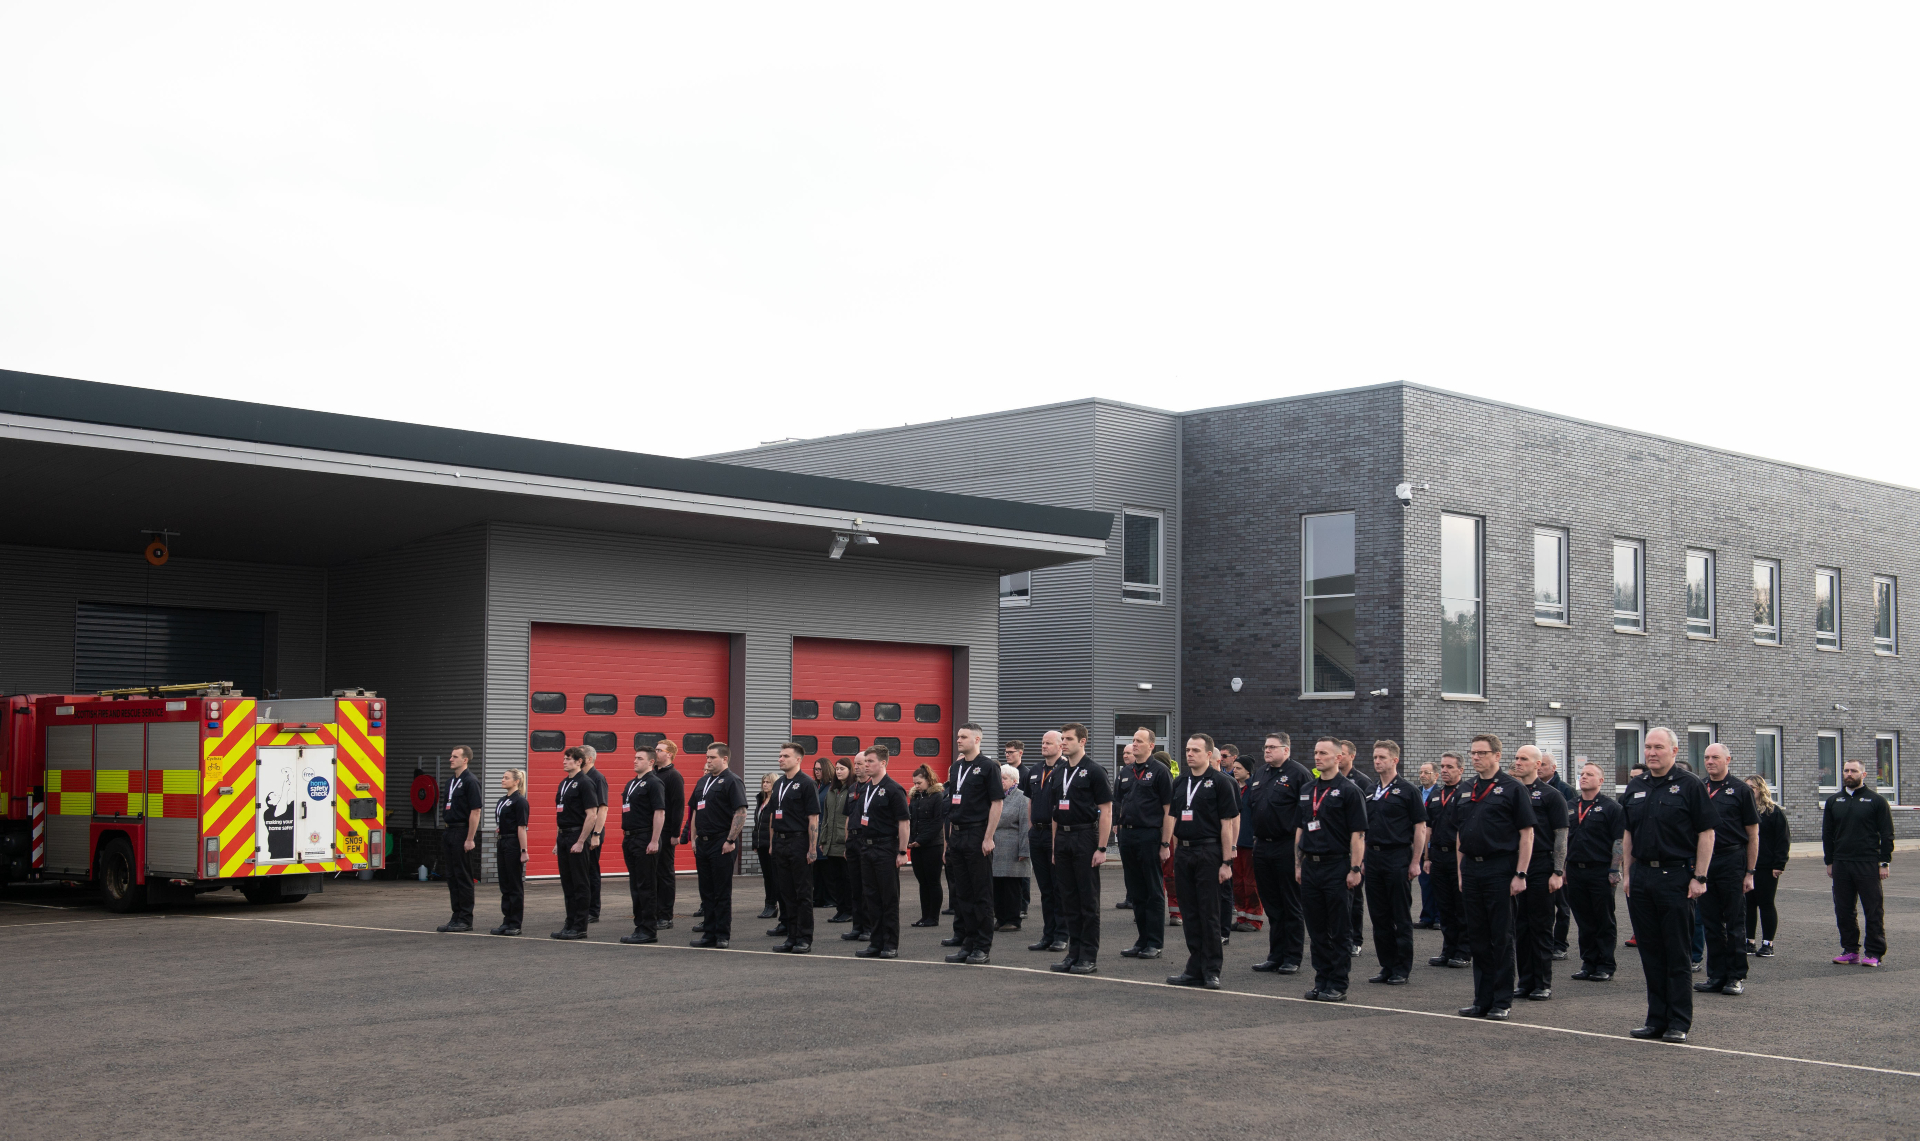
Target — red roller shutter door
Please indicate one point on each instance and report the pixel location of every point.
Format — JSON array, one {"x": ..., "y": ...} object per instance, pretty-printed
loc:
[
  {"x": 860, "y": 692},
  {"x": 615, "y": 682}
]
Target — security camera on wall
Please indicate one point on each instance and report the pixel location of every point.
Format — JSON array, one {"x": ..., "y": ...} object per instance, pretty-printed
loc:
[{"x": 1404, "y": 493}]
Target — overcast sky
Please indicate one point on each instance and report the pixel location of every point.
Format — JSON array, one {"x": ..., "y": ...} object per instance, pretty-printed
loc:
[{"x": 692, "y": 227}]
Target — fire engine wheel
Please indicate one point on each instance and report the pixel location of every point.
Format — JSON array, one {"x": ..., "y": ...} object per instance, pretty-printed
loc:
[{"x": 115, "y": 877}]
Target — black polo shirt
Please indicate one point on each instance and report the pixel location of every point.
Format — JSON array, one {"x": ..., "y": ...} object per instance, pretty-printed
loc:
[
  {"x": 571, "y": 801},
  {"x": 600, "y": 789},
  {"x": 1033, "y": 782},
  {"x": 1365, "y": 783},
  {"x": 1142, "y": 794},
  {"x": 1082, "y": 788},
  {"x": 1734, "y": 809},
  {"x": 643, "y": 796},
  {"x": 1549, "y": 816},
  {"x": 463, "y": 798},
  {"x": 793, "y": 800},
  {"x": 674, "y": 786},
  {"x": 713, "y": 802},
  {"x": 1393, "y": 810},
  {"x": 1338, "y": 808},
  {"x": 1271, "y": 808},
  {"x": 1665, "y": 816},
  {"x": 1490, "y": 815},
  {"x": 1443, "y": 817},
  {"x": 874, "y": 811},
  {"x": 1200, "y": 802},
  {"x": 972, "y": 787},
  {"x": 510, "y": 814},
  {"x": 1593, "y": 827}
]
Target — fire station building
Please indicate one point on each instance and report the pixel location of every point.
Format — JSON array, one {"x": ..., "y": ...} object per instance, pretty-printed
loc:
[{"x": 514, "y": 595}]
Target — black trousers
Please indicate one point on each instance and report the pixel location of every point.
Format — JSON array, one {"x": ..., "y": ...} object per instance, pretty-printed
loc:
[
  {"x": 1146, "y": 886},
  {"x": 513, "y": 881},
  {"x": 1078, "y": 883},
  {"x": 714, "y": 870},
  {"x": 1390, "y": 905},
  {"x": 663, "y": 878},
  {"x": 1724, "y": 911},
  {"x": 1486, "y": 909},
  {"x": 838, "y": 875},
  {"x": 927, "y": 869},
  {"x": 1562, "y": 918},
  {"x": 793, "y": 882},
  {"x": 1357, "y": 913},
  {"x": 593, "y": 878},
  {"x": 1591, "y": 897},
  {"x": 453, "y": 849},
  {"x": 1327, "y": 904},
  {"x": 1533, "y": 932},
  {"x": 1663, "y": 933},
  {"x": 1225, "y": 893},
  {"x": 1762, "y": 917},
  {"x": 854, "y": 885},
  {"x": 1857, "y": 883},
  {"x": 1445, "y": 879},
  {"x": 1006, "y": 900},
  {"x": 1040, "y": 849},
  {"x": 1280, "y": 898},
  {"x": 1196, "y": 881},
  {"x": 879, "y": 894},
  {"x": 640, "y": 882},
  {"x": 574, "y": 887},
  {"x": 972, "y": 872},
  {"x": 768, "y": 881}
]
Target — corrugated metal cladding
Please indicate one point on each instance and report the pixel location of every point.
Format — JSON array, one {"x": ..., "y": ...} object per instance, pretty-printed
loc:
[
  {"x": 767, "y": 598},
  {"x": 411, "y": 624},
  {"x": 45, "y": 588},
  {"x": 618, "y": 688},
  {"x": 1077, "y": 651},
  {"x": 116, "y": 645},
  {"x": 850, "y": 696}
]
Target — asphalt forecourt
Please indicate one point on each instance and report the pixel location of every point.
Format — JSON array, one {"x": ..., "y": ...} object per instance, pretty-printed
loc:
[{"x": 347, "y": 1016}]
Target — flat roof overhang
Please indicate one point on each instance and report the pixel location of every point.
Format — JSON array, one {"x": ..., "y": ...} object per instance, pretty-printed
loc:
[{"x": 96, "y": 485}]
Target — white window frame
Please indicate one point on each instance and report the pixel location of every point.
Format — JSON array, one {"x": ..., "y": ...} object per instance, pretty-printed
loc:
[
  {"x": 1888, "y": 646},
  {"x": 1159, "y": 561},
  {"x": 1713, "y": 738},
  {"x": 1711, "y": 629},
  {"x": 1639, "y": 750},
  {"x": 1016, "y": 589},
  {"x": 1839, "y": 757},
  {"x": 1559, "y": 535},
  {"x": 1769, "y": 635},
  {"x": 1479, "y": 596},
  {"x": 1637, "y": 620},
  {"x": 1890, "y": 791},
  {"x": 1306, "y": 626},
  {"x": 1779, "y": 758},
  {"x": 1839, "y": 621}
]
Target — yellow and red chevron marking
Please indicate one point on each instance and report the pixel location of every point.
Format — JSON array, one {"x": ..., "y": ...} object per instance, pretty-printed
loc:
[
  {"x": 226, "y": 761},
  {"x": 361, "y": 766},
  {"x": 70, "y": 792}
]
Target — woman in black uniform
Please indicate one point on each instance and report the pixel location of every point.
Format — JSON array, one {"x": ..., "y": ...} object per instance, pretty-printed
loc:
[
  {"x": 762, "y": 844},
  {"x": 926, "y": 812},
  {"x": 510, "y": 815},
  {"x": 1776, "y": 843}
]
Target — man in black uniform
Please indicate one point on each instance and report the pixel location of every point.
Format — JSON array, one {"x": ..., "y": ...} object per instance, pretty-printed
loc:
[
  {"x": 663, "y": 868},
  {"x": 1272, "y": 811},
  {"x": 1593, "y": 867},
  {"x": 596, "y": 827},
  {"x": 860, "y": 923},
  {"x": 1141, "y": 795},
  {"x": 1736, "y": 849},
  {"x": 716, "y": 811},
  {"x": 1563, "y": 911},
  {"x": 1349, "y": 752},
  {"x": 1667, "y": 846},
  {"x": 1533, "y": 921},
  {"x": 643, "y": 817},
  {"x": 1053, "y": 930},
  {"x": 460, "y": 819},
  {"x": 796, "y": 835},
  {"x": 974, "y": 788},
  {"x": 1082, "y": 822},
  {"x": 1396, "y": 846},
  {"x": 1332, "y": 845},
  {"x": 1200, "y": 827},
  {"x": 1495, "y": 822},
  {"x": 1856, "y": 832},
  {"x": 1443, "y": 862},
  {"x": 573, "y": 814},
  {"x": 877, "y": 815}
]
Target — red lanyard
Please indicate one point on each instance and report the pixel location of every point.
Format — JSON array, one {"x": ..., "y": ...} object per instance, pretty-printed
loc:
[
  {"x": 1481, "y": 793},
  {"x": 1446, "y": 797},
  {"x": 1316, "y": 802},
  {"x": 1581, "y": 808}
]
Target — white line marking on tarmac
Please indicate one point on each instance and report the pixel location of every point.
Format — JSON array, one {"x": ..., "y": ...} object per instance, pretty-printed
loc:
[
  {"x": 65, "y": 922},
  {"x": 1126, "y": 982},
  {"x": 41, "y": 906}
]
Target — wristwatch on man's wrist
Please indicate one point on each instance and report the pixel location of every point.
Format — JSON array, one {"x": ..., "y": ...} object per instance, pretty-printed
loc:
[
  {"x": 1355, "y": 868},
  {"x": 1700, "y": 879}
]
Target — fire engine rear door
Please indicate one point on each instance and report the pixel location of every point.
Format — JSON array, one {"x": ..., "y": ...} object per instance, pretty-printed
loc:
[{"x": 295, "y": 787}]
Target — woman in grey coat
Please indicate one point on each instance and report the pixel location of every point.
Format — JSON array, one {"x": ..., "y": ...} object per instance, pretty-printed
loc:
[{"x": 1010, "y": 853}]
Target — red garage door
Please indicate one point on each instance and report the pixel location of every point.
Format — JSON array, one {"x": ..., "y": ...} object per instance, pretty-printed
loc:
[
  {"x": 618, "y": 689},
  {"x": 849, "y": 695}
]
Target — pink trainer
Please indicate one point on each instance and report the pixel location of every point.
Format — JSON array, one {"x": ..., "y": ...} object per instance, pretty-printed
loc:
[
  {"x": 1847, "y": 959},
  {"x": 1869, "y": 961}
]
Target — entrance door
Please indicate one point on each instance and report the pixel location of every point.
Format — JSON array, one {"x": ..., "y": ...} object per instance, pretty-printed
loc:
[
  {"x": 1552, "y": 734},
  {"x": 294, "y": 793}
]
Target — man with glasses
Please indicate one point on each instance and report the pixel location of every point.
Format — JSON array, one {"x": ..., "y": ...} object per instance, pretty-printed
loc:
[
  {"x": 1443, "y": 862},
  {"x": 1664, "y": 854},
  {"x": 1496, "y": 843},
  {"x": 1272, "y": 811}
]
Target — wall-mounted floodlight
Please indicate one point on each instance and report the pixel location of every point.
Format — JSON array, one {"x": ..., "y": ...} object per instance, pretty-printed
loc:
[
  {"x": 1235, "y": 683},
  {"x": 843, "y": 539},
  {"x": 1381, "y": 692}
]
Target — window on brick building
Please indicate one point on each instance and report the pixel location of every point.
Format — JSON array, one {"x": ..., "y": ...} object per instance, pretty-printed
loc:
[
  {"x": 1461, "y": 660},
  {"x": 1766, "y": 757},
  {"x": 1826, "y": 609},
  {"x": 1549, "y": 575},
  {"x": 1886, "y": 624},
  {"x": 1766, "y": 602},
  {"x": 1629, "y": 586},
  {"x": 1329, "y": 655},
  {"x": 1700, "y": 620}
]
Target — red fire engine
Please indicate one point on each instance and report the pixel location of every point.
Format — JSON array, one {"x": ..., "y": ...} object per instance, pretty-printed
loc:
[{"x": 169, "y": 791}]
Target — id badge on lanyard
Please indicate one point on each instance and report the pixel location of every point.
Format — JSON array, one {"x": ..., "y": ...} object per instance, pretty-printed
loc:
[
  {"x": 1066, "y": 785},
  {"x": 866, "y": 804},
  {"x": 780, "y": 798},
  {"x": 1186, "y": 814},
  {"x": 704, "y": 786},
  {"x": 964, "y": 774}
]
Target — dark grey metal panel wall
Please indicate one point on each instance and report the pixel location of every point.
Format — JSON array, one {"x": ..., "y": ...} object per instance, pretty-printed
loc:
[
  {"x": 45, "y": 587},
  {"x": 1137, "y": 464},
  {"x": 1520, "y": 469},
  {"x": 116, "y": 646},
  {"x": 411, "y": 623}
]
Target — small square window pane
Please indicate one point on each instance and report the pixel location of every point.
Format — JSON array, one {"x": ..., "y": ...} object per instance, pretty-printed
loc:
[
  {"x": 650, "y": 705},
  {"x": 845, "y": 746},
  {"x": 846, "y": 711},
  {"x": 601, "y": 742},
  {"x": 695, "y": 743},
  {"x": 1016, "y": 589},
  {"x": 644, "y": 742},
  {"x": 696, "y": 707},
  {"x": 886, "y": 711},
  {"x": 806, "y": 710},
  {"x": 1329, "y": 554},
  {"x": 926, "y": 713},
  {"x": 926, "y": 746},
  {"x": 1140, "y": 554},
  {"x": 601, "y": 704},
  {"x": 546, "y": 741},
  {"x": 1334, "y": 656},
  {"x": 549, "y": 703},
  {"x": 808, "y": 745},
  {"x": 891, "y": 744}
]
